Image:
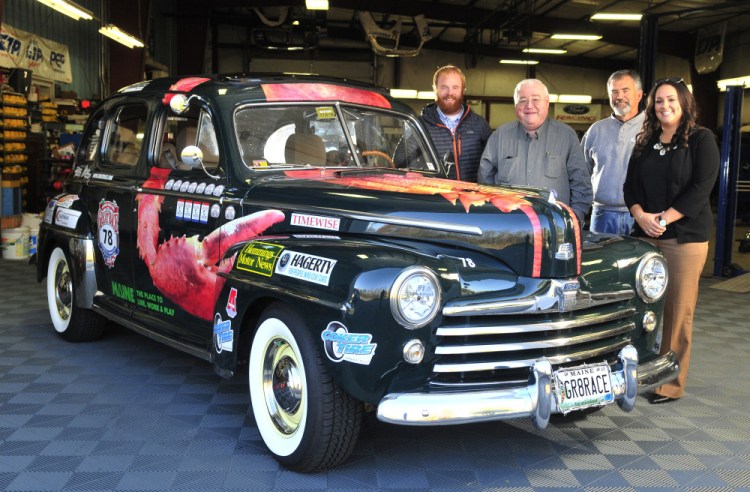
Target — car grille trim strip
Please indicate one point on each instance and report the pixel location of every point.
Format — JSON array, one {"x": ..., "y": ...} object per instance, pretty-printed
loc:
[
  {"x": 550, "y": 301},
  {"x": 570, "y": 357},
  {"x": 534, "y": 327},
  {"x": 444, "y": 349}
]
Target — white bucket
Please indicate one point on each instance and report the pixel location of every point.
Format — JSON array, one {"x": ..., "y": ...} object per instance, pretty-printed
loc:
[
  {"x": 32, "y": 221},
  {"x": 15, "y": 243},
  {"x": 33, "y": 235}
]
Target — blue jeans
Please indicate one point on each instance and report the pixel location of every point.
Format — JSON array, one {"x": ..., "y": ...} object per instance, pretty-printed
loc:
[{"x": 611, "y": 221}]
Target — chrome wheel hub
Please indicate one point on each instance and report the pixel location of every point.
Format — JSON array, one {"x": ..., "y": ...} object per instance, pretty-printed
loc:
[
  {"x": 283, "y": 386},
  {"x": 63, "y": 291}
]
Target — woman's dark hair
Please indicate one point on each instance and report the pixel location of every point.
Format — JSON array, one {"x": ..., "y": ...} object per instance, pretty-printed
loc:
[{"x": 651, "y": 125}]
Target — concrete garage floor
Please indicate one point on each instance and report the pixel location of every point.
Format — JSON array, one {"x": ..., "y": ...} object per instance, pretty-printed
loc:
[{"x": 125, "y": 413}]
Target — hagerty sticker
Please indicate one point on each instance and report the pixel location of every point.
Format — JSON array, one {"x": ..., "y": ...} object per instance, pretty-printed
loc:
[
  {"x": 306, "y": 267},
  {"x": 340, "y": 345}
]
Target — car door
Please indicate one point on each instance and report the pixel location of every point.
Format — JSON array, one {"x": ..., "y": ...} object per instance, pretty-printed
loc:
[
  {"x": 110, "y": 168},
  {"x": 178, "y": 207}
]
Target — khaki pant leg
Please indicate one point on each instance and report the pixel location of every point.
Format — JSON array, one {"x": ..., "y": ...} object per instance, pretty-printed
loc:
[{"x": 685, "y": 262}]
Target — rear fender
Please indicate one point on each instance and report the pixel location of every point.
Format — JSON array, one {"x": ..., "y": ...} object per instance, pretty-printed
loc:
[{"x": 66, "y": 225}]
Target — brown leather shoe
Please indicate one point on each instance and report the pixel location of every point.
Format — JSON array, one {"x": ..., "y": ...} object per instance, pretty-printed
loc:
[{"x": 655, "y": 399}]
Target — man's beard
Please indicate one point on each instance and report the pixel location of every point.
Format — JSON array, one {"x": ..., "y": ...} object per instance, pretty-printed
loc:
[
  {"x": 449, "y": 106},
  {"x": 620, "y": 111}
]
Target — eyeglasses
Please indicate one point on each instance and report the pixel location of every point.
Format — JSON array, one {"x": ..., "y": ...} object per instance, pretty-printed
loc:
[
  {"x": 534, "y": 100},
  {"x": 670, "y": 81}
]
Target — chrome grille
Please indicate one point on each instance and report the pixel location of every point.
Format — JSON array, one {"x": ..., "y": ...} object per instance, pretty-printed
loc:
[{"x": 496, "y": 342}]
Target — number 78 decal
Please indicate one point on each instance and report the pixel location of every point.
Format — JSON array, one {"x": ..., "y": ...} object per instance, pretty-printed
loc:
[{"x": 108, "y": 231}]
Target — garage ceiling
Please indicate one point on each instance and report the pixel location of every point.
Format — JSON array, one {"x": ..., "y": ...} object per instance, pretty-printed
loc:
[{"x": 499, "y": 28}]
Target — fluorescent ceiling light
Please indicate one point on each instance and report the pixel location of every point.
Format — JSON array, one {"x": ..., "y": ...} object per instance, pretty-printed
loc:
[
  {"x": 428, "y": 95},
  {"x": 570, "y": 98},
  {"x": 316, "y": 4},
  {"x": 115, "y": 33},
  {"x": 545, "y": 51},
  {"x": 574, "y": 99},
  {"x": 519, "y": 62},
  {"x": 577, "y": 37},
  {"x": 68, "y": 8},
  {"x": 743, "y": 81},
  {"x": 616, "y": 17},
  {"x": 404, "y": 93}
]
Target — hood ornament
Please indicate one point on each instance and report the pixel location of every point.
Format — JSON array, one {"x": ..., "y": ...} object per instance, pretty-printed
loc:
[{"x": 565, "y": 252}]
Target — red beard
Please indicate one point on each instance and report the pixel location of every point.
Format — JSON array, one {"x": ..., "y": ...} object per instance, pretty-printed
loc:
[{"x": 449, "y": 106}]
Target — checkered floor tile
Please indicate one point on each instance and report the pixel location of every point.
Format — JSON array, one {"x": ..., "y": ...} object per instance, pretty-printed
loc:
[{"x": 125, "y": 413}]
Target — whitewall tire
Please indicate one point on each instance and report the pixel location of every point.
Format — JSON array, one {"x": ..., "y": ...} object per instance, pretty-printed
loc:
[{"x": 305, "y": 419}]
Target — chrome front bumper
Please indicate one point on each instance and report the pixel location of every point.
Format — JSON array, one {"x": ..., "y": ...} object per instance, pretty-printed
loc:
[{"x": 536, "y": 400}]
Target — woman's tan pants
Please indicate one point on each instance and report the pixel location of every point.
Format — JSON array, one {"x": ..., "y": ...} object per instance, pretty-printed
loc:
[{"x": 685, "y": 262}]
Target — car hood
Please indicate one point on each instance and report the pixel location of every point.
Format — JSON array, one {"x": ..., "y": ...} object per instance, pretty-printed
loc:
[{"x": 534, "y": 235}]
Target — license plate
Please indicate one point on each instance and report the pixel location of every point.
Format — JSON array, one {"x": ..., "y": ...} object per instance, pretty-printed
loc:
[{"x": 583, "y": 387}]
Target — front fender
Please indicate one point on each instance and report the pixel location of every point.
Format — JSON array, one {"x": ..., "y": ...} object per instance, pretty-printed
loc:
[{"x": 339, "y": 285}]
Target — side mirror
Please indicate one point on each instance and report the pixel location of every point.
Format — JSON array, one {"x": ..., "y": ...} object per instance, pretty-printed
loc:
[
  {"x": 179, "y": 103},
  {"x": 192, "y": 156}
]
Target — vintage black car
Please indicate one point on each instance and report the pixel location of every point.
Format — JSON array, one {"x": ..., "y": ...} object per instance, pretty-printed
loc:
[{"x": 302, "y": 230}]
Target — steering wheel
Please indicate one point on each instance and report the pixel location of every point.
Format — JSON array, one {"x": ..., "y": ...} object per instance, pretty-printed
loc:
[{"x": 377, "y": 153}]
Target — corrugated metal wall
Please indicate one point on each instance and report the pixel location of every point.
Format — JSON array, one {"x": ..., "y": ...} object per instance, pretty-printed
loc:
[{"x": 84, "y": 42}]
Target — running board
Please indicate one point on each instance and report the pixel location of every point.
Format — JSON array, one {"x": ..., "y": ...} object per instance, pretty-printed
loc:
[{"x": 131, "y": 325}]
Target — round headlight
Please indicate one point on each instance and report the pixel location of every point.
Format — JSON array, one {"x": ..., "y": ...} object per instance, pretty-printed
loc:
[
  {"x": 651, "y": 278},
  {"x": 415, "y": 297}
]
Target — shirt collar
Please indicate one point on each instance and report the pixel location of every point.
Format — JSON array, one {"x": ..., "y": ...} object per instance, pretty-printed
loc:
[
  {"x": 450, "y": 121},
  {"x": 635, "y": 120},
  {"x": 536, "y": 134}
]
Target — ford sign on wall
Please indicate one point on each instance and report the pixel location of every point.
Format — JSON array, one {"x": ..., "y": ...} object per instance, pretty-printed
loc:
[{"x": 577, "y": 113}]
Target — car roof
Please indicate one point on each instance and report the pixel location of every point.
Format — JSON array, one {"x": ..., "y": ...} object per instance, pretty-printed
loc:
[{"x": 271, "y": 87}]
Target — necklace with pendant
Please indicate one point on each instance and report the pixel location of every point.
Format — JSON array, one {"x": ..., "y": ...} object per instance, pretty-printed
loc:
[{"x": 663, "y": 149}]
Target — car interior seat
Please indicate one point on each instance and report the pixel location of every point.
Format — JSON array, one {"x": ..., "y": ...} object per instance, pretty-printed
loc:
[
  {"x": 168, "y": 158},
  {"x": 125, "y": 148},
  {"x": 305, "y": 148}
]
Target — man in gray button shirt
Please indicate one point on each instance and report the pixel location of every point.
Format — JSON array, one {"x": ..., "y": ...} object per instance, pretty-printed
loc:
[
  {"x": 538, "y": 151},
  {"x": 607, "y": 147}
]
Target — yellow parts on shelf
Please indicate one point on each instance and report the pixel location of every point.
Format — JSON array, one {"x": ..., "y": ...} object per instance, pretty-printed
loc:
[{"x": 13, "y": 99}]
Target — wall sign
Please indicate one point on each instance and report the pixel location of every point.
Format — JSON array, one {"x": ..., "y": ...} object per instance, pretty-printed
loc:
[
  {"x": 577, "y": 113},
  {"x": 45, "y": 58},
  {"x": 709, "y": 48}
]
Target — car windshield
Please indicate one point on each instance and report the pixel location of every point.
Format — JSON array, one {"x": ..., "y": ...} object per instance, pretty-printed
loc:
[{"x": 329, "y": 136}]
